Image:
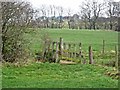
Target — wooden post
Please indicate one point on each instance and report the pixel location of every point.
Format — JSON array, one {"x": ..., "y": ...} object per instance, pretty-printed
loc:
[
  {"x": 64, "y": 48},
  {"x": 53, "y": 45},
  {"x": 64, "y": 44},
  {"x": 61, "y": 46},
  {"x": 74, "y": 47},
  {"x": 49, "y": 44},
  {"x": 69, "y": 48},
  {"x": 80, "y": 52},
  {"x": 66, "y": 53},
  {"x": 90, "y": 55},
  {"x": 74, "y": 55},
  {"x": 44, "y": 51},
  {"x": 56, "y": 54},
  {"x": 103, "y": 51},
  {"x": 80, "y": 49},
  {"x": 70, "y": 54},
  {"x": 116, "y": 56},
  {"x": 53, "y": 51}
]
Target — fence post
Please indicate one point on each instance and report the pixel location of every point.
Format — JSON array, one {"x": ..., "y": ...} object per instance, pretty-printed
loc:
[
  {"x": 61, "y": 46},
  {"x": 103, "y": 51},
  {"x": 116, "y": 56},
  {"x": 53, "y": 51},
  {"x": 67, "y": 50},
  {"x": 70, "y": 54},
  {"x": 90, "y": 55},
  {"x": 56, "y": 53},
  {"x": 69, "y": 47},
  {"x": 80, "y": 48},
  {"x": 64, "y": 48},
  {"x": 49, "y": 44},
  {"x": 64, "y": 45},
  {"x": 53, "y": 45},
  {"x": 74, "y": 55},
  {"x": 45, "y": 50}
]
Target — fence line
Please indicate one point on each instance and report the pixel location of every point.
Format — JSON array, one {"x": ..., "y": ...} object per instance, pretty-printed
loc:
[{"x": 60, "y": 49}]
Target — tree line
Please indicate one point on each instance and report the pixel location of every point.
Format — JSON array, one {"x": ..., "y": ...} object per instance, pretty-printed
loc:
[{"x": 91, "y": 15}]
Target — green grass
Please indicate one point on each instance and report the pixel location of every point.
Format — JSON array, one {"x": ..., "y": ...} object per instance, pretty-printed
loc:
[
  {"x": 46, "y": 75},
  {"x": 86, "y": 37}
]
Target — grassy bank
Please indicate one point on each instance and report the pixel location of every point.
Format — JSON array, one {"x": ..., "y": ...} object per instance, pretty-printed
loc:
[{"x": 39, "y": 75}]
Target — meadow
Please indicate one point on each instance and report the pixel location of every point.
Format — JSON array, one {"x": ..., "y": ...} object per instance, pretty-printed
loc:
[
  {"x": 53, "y": 75},
  {"x": 86, "y": 37}
]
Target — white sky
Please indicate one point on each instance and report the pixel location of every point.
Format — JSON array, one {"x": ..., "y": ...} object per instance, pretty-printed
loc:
[
  {"x": 73, "y": 4},
  {"x": 64, "y": 3}
]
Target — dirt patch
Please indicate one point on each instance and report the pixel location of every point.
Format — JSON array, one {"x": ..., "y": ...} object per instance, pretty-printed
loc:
[{"x": 67, "y": 62}]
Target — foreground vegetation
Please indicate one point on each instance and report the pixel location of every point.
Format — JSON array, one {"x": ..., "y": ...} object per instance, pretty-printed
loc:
[{"x": 46, "y": 75}]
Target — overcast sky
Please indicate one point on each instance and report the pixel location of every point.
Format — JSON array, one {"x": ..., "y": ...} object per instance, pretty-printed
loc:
[
  {"x": 73, "y": 4},
  {"x": 64, "y": 3}
]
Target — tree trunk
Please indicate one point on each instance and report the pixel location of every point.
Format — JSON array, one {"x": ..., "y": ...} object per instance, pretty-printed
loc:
[
  {"x": 111, "y": 26},
  {"x": 118, "y": 24},
  {"x": 69, "y": 24},
  {"x": 94, "y": 25}
]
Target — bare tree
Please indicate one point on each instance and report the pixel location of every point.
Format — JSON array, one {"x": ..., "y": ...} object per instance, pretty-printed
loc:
[
  {"x": 53, "y": 15},
  {"x": 91, "y": 10},
  {"x": 48, "y": 15},
  {"x": 113, "y": 11},
  {"x": 44, "y": 17},
  {"x": 97, "y": 8},
  {"x": 69, "y": 12},
  {"x": 110, "y": 13},
  {"x": 60, "y": 12},
  {"x": 117, "y": 13},
  {"x": 117, "y": 8},
  {"x": 86, "y": 14}
]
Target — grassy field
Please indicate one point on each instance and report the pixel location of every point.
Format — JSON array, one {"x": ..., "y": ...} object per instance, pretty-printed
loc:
[
  {"x": 86, "y": 37},
  {"x": 39, "y": 75},
  {"x": 51, "y": 75}
]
